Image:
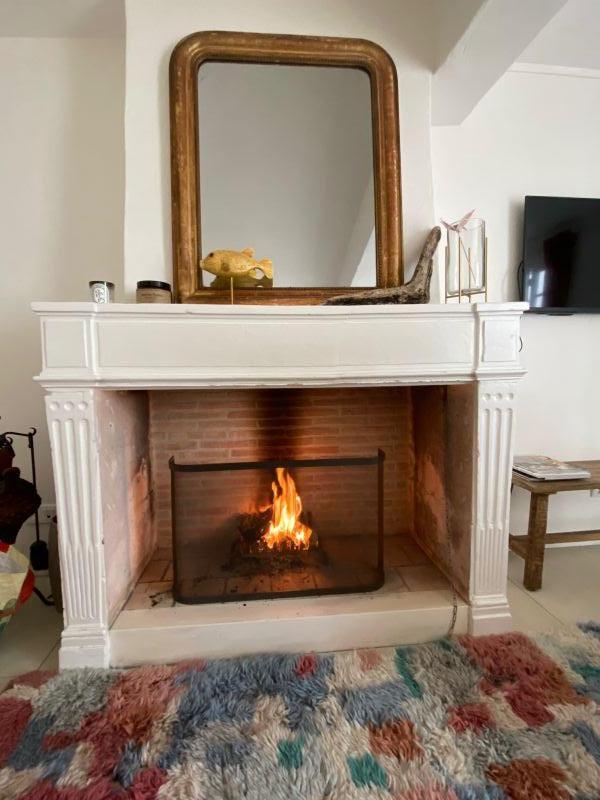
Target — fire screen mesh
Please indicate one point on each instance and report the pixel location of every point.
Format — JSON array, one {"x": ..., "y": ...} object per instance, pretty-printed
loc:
[{"x": 264, "y": 529}]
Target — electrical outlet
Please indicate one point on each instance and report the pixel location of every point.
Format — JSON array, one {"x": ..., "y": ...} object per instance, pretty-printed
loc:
[
  {"x": 46, "y": 512},
  {"x": 594, "y": 492}
]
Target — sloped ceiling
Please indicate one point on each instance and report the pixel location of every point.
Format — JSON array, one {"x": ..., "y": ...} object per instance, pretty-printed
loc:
[
  {"x": 570, "y": 39},
  {"x": 498, "y": 32}
]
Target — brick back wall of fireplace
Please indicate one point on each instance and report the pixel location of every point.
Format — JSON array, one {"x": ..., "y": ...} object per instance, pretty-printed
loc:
[{"x": 203, "y": 426}]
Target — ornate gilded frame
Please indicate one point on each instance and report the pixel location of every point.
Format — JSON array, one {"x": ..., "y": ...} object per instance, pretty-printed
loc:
[{"x": 255, "y": 48}]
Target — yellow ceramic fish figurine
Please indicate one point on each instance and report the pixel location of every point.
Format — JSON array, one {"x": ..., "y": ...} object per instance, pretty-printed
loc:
[{"x": 239, "y": 266}]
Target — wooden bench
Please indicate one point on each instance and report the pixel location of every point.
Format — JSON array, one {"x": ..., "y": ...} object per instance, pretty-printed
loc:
[{"x": 531, "y": 547}]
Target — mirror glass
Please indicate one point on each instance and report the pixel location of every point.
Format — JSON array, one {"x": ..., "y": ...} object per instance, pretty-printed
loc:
[{"x": 286, "y": 168}]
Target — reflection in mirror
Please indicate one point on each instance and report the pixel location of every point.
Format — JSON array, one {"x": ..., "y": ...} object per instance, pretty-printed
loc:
[{"x": 286, "y": 168}]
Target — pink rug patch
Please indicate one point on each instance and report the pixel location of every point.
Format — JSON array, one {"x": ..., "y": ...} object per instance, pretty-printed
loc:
[
  {"x": 306, "y": 665},
  {"x": 369, "y": 659},
  {"x": 14, "y": 716},
  {"x": 473, "y": 716}
]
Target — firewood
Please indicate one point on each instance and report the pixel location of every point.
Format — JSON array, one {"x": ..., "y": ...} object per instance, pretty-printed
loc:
[{"x": 253, "y": 526}]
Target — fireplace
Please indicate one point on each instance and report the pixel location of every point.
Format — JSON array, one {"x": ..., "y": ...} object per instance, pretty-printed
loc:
[
  {"x": 275, "y": 528},
  {"x": 433, "y": 386}
]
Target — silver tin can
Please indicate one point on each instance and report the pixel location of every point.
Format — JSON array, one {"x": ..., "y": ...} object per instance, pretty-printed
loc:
[{"x": 102, "y": 291}]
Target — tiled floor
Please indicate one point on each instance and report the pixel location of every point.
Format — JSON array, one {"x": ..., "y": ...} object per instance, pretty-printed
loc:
[
  {"x": 571, "y": 592},
  {"x": 570, "y": 588},
  {"x": 30, "y": 640}
]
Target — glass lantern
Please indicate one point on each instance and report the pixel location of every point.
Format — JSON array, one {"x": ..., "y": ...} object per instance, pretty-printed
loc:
[{"x": 466, "y": 260}]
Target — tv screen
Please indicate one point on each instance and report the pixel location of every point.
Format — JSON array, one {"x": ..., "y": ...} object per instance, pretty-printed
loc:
[{"x": 561, "y": 254}]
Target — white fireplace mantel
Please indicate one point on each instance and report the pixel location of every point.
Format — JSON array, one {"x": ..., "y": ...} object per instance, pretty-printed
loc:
[
  {"x": 88, "y": 348},
  {"x": 146, "y": 346}
]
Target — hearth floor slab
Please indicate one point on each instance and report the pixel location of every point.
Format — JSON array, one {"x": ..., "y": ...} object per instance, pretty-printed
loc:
[
  {"x": 391, "y": 615},
  {"x": 402, "y": 556},
  {"x": 414, "y": 605}
]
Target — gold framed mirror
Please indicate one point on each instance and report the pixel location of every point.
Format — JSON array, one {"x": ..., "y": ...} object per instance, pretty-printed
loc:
[{"x": 218, "y": 202}]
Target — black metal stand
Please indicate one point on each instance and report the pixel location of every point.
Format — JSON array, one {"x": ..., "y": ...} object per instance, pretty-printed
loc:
[{"x": 38, "y": 552}]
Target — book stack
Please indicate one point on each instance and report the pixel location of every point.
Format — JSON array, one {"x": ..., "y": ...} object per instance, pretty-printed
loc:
[{"x": 542, "y": 468}]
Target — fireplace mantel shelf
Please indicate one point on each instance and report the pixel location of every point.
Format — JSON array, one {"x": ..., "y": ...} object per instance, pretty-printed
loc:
[{"x": 85, "y": 345}]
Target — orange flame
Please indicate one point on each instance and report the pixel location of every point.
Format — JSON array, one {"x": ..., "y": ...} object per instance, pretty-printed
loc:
[{"x": 285, "y": 522}]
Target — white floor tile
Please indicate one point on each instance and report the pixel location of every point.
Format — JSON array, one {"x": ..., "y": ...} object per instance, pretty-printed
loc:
[
  {"x": 570, "y": 583},
  {"x": 528, "y": 616},
  {"x": 51, "y": 661},
  {"x": 423, "y": 577},
  {"x": 29, "y": 636}
]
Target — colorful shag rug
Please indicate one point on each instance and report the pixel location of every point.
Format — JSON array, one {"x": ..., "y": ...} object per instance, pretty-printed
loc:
[{"x": 468, "y": 719}]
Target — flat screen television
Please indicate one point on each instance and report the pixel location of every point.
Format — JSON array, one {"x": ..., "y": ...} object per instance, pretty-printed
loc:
[{"x": 560, "y": 273}]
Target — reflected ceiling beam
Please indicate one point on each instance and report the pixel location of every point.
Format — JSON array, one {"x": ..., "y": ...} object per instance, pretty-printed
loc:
[
  {"x": 358, "y": 240},
  {"x": 498, "y": 33},
  {"x": 366, "y": 271}
]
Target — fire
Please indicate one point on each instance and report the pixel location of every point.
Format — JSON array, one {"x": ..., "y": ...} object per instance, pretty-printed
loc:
[{"x": 285, "y": 525}]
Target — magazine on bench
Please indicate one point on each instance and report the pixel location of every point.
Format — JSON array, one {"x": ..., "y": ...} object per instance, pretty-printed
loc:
[{"x": 542, "y": 468}]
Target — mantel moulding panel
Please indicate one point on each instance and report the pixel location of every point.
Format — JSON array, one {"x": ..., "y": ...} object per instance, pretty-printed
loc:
[{"x": 141, "y": 346}]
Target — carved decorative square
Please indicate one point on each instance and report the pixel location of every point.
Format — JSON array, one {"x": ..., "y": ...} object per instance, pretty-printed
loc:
[
  {"x": 64, "y": 343},
  {"x": 499, "y": 340}
]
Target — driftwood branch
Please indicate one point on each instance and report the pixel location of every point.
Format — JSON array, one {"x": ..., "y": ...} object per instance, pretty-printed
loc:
[{"x": 415, "y": 291}]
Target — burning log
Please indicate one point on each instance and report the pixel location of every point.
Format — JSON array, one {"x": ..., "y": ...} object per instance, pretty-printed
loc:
[
  {"x": 259, "y": 547},
  {"x": 277, "y": 531},
  {"x": 278, "y": 526},
  {"x": 254, "y": 526}
]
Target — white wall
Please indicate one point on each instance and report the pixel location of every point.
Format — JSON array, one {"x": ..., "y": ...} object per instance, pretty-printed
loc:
[
  {"x": 57, "y": 19},
  {"x": 61, "y": 204},
  {"x": 402, "y": 27},
  {"x": 534, "y": 134}
]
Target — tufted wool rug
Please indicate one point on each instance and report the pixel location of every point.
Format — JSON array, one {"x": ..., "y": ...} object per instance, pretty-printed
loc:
[{"x": 494, "y": 717}]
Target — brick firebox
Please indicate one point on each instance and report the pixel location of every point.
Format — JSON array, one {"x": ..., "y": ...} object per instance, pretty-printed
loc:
[{"x": 197, "y": 426}]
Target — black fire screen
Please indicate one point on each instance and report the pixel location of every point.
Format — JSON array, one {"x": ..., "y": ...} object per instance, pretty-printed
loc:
[{"x": 263, "y": 529}]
